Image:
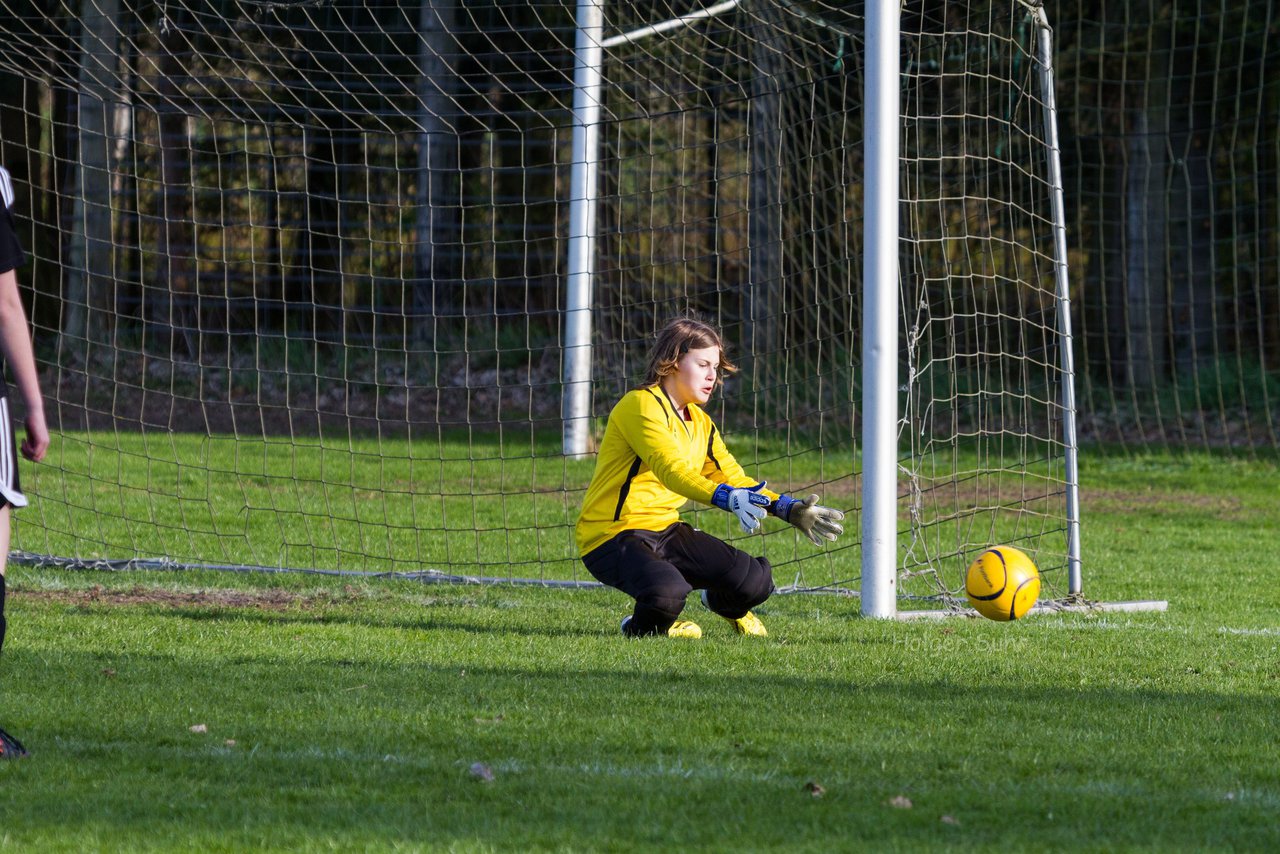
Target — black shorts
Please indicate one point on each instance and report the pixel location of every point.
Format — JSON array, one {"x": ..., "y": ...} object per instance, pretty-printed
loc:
[
  {"x": 632, "y": 560},
  {"x": 10, "y": 488}
]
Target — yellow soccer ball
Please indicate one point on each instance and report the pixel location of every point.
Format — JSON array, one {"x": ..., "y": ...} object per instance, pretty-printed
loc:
[{"x": 1002, "y": 584}]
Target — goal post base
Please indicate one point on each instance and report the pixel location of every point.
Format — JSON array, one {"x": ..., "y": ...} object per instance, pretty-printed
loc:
[{"x": 1050, "y": 608}]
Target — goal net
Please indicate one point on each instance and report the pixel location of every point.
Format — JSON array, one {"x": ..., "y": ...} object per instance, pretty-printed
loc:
[
  {"x": 988, "y": 435},
  {"x": 298, "y": 275}
]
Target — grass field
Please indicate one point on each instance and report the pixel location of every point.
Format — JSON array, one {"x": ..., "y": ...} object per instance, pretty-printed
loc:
[
  {"x": 494, "y": 505},
  {"x": 340, "y": 714}
]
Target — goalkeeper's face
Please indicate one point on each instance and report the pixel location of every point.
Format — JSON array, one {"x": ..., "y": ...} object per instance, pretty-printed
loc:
[{"x": 695, "y": 376}]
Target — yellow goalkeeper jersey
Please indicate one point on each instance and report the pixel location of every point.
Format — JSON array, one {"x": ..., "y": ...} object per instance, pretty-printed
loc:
[{"x": 651, "y": 461}]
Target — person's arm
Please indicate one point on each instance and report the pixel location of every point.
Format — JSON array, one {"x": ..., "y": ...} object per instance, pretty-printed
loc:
[
  {"x": 816, "y": 522},
  {"x": 15, "y": 342}
]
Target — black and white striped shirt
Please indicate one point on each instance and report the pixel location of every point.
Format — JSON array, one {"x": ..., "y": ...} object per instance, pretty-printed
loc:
[
  {"x": 11, "y": 255},
  {"x": 6, "y": 187}
]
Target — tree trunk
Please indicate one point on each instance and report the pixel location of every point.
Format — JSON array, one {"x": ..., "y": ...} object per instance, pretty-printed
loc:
[
  {"x": 268, "y": 276},
  {"x": 765, "y": 290},
  {"x": 1105, "y": 338},
  {"x": 168, "y": 307},
  {"x": 1146, "y": 209},
  {"x": 314, "y": 290},
  {"x": 1190, "y": 227},
  {"x": 438, "y": 244},
  {"x": 89, "y": 284},
  {"x": 1267, "y": 239}
]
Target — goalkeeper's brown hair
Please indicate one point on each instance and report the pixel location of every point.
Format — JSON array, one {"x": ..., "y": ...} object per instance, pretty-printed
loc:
[{"x": 679, "y": 336}]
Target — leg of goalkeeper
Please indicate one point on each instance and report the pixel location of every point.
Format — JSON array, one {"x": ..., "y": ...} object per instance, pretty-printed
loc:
[
  {"x": 735, "y": 581},
  {"x": 632, "y": 563},
  {"x": 660, "y": 593}
]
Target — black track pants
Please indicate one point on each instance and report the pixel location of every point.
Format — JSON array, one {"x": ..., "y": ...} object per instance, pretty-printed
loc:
[{"x": 659, "y": 569}]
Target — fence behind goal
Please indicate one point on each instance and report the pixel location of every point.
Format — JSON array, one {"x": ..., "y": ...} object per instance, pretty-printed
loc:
[{"x": 298, "y": 276}]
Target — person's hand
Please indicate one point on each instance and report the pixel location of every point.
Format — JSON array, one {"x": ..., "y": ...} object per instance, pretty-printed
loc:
[
  {"x": 36, "y": 440},
  {"x": 745, "y": 503},
  {"x": 816, "y": 522}
]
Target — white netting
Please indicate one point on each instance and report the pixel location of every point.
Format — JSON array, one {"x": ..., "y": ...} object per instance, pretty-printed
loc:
[
  {"x": 984, "y": 410},
  {"x": 298, "y": 273}
]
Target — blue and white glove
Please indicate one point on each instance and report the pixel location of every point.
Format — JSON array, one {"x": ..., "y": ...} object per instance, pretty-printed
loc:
[
  {"x": 744, "y": 502},
  {"x": 816, "y": 522}
]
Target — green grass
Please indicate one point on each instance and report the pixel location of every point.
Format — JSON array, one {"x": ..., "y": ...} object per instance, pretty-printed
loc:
[
  {"x": 341, "y": 503},
  {"x": 493, "y": 504},
  {"x": 358, "y": 708}
]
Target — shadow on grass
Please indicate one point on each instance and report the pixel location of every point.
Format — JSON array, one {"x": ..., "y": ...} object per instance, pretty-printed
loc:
[
  {"x": 374, "y": 753},
  {"x": 451, "y": 612},
  {"x": 428, "y": 622}
]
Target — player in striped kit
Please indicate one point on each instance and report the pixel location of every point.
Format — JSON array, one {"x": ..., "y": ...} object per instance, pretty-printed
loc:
[
  {"x": 661, "y": 449},
  {"x": 15, "y": 347}
]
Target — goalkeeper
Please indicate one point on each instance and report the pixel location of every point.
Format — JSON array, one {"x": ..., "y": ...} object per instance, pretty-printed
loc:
[
  {"x": 660, "y": 448},
  {"x": 15, "y": 347}
]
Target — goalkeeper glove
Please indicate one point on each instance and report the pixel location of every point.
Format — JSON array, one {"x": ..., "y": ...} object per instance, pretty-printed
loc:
[
  {"x": 745, "y": 503},
  {"x": 816, "y": 522}
]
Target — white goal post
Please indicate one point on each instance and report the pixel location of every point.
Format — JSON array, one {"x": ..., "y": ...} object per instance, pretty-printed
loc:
[{"x": 880, "y": 409}]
